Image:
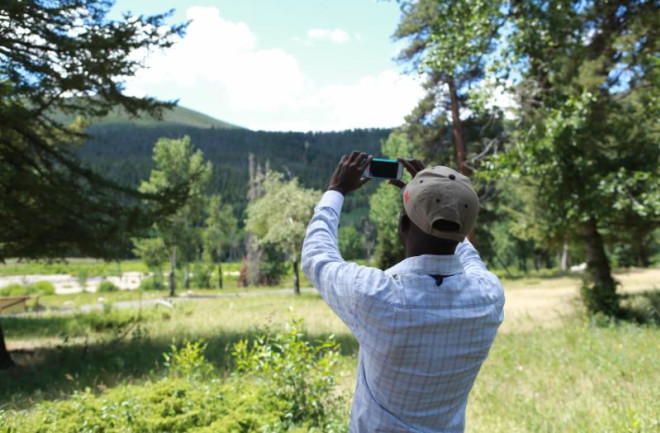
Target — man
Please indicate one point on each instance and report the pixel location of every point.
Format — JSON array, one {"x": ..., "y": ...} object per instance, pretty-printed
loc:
[{"x": 424, "y": 326}]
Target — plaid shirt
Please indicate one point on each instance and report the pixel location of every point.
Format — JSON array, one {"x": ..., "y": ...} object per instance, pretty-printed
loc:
[{"x": 421, "y": 345}]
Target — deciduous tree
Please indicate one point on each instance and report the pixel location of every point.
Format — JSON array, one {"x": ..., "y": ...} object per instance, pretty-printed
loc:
[
  {"x": 582, "y": 132},
  {"x": 280, "y": 217},
  {"x": 585, "y": 76},
  {"x": 177, "y": 162}
]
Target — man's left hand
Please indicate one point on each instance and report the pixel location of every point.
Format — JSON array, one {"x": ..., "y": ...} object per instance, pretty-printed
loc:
[
  {"x": 413, "y": 166},
  {"x": 348, "y": 174}
]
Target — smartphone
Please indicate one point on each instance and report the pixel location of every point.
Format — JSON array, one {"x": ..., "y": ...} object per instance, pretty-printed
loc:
[{"x": 384, "y": 169}]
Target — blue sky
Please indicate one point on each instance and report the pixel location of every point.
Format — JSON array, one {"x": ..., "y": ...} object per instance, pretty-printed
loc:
[{"x": 282, "y": 65}]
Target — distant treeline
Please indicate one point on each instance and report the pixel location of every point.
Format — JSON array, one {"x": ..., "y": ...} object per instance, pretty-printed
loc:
[{"x": 124, "y": 153}]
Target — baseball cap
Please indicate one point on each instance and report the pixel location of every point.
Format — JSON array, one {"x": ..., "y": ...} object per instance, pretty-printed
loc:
[{"x": 439, "y": 195}]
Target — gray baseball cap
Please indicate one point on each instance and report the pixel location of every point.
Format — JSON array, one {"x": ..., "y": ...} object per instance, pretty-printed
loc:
[{"x": 439, "y": 195}]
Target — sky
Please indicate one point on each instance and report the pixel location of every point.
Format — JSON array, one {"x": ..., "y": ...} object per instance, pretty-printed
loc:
[{"x": 303, "y": 65}]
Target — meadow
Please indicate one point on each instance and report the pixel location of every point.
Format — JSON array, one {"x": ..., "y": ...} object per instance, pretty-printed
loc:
[{"x": 551, "y": 368}]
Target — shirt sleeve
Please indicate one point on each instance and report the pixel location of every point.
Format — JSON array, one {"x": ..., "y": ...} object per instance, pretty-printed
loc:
[
  {"x": 470, "y": 258},
  {"x": 338, "y": 282},
  {"x": 473, "y": 265}
]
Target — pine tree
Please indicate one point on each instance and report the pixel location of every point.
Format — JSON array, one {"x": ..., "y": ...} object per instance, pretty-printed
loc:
[{"x": 65, "y": 57}]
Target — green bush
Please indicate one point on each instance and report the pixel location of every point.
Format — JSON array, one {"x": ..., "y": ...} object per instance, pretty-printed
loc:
[
  {"x": 300, "y": 376},
  {"x": 288, "y": 387},
  {"x": 201, "y": 277},
  {"x": 44, "y": 288},
  {"x": 188, "y": 360},
  {"x": 168, "y": 405},
  {"x": 274, "y": 266},
  {"x": 82, "y": 277},
  {"x": 107, "y": 286},
  {"x": 16, "y": 289},
  {"x": 151, "y": 283}
]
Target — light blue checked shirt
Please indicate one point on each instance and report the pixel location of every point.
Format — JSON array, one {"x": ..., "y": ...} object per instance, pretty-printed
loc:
[{"x": 421, "y": 345}]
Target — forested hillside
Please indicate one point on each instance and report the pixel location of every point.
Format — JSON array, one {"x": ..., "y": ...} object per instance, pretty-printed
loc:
[{"x": 122, "y": 149}]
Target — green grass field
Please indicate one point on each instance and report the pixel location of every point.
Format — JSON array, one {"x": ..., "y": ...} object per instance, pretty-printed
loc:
[{"x": 550, "y": 369}]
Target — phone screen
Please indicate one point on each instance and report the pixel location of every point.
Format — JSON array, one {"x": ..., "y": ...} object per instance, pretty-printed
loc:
[{"x": 384, "y": 168}]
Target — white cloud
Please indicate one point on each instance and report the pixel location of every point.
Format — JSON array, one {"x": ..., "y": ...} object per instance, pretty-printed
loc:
[
  {"x": 218, "y": 68},
  {"x": 337, "y": 36},
  {"x": 380, "y": 101},
  {"x": 217, "y": 52}
]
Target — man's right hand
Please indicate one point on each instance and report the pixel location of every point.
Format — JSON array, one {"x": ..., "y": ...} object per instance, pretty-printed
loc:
[
  {"x": 412, "y": 166},
  {"x": 348, "y": 174}
]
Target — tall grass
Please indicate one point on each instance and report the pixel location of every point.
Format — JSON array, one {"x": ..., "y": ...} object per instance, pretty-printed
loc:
[{"x": 575, "y": 378}]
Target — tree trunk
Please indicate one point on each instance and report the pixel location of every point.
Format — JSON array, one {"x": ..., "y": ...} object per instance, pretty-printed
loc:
[
  {"x": 5, "y": 359},
  {"x": 220, "y": 275},
  {"x": 522, "y": 262},
  {"x": 563, "y": 261},
  {"x": 457, "y": 128},
  {"x": 601, "y": 296},
  {"x": 296, "y": 277},
  {"x": 172, "y": 275},
  {"x": 186, "y": 277},
  {"x": 642, "y": 253},
  {"x": 242, "y": 277}
]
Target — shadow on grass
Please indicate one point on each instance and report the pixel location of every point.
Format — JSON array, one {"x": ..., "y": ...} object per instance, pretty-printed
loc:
[
  {"x": 544, "y": 274},
  {"x": 68, "y": 325},
  {"x": 52, "y": 373},
  {"x": 642, "y": 307}
]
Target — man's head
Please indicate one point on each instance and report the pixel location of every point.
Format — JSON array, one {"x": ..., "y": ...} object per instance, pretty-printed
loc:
[{"x": 440, "y": 210}]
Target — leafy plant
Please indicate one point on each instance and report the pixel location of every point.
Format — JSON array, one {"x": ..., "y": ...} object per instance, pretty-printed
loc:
[
  {"x": 44, "y": 288},
  {"x": 300, "y": 375},
  {"x": 151, "y": 283},
  {"x": 201, "y": 277},
  {"x": 41, "y": 288},
  {"x": 16, "y": 289},
  {"x": 82, "y": 277},
  {"x": 107, "y": 287},
  {"x": 188, "y": 361}
]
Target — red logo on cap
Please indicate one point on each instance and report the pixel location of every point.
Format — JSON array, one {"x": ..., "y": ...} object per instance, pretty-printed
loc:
[{"x": 405, "y": 197}]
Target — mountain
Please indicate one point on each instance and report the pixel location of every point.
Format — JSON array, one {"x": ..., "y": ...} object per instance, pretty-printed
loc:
[
  {"x": 121, "y": 148},
  {"x": 178, "y": 116}
]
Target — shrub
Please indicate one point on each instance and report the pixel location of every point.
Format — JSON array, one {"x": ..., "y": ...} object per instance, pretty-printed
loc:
[
  {"x": 82, "y": 277},
  {"x": 16, "y": 289},
  {"x": 188, "y": 360},
  {"x": 299, "y": 375},
  {"x": 273, "y": 267},
  {"x": 285, "y": 384},
  {"x": 201, "y": 277},
  {"x": 44, "y": 288},
  {"x": 600, "y": 300},
  {"x": 12, "y": 289},
  {"x": 107, "y": 286},
  {"x": 151, "y": 283}
]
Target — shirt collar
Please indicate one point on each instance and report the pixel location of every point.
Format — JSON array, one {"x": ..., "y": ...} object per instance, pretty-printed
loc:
[{"x": 428, "y": 264}]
